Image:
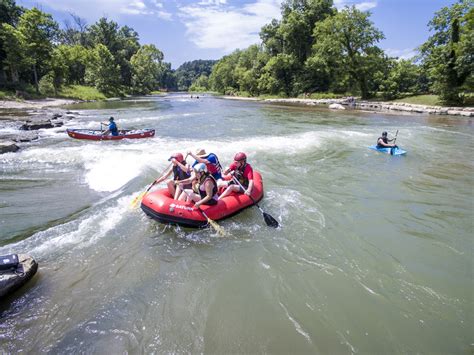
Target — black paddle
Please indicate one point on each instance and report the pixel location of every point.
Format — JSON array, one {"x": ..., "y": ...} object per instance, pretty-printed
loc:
[
  {"x": 269, "y": 220},
  {"x": 394, "y": 140}
]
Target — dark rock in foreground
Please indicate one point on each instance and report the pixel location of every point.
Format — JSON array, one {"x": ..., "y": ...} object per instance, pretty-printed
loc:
[
  {"x": 11, "y": 280},
  {"x": 8, "y": 147}
]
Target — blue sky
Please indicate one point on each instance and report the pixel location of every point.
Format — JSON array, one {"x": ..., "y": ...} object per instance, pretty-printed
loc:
[{"x": 185, "y": 30}]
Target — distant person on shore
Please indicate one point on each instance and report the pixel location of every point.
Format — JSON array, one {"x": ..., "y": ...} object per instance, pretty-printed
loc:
[
  {"x": 112, "y": 127},
  {"x": 240, "y": 171},
  {"x": 383, "y": 142},
  {"x": 180, "y": 171}
]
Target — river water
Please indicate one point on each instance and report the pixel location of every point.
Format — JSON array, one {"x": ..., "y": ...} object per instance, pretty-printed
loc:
[{"x": 374, "y": 254}]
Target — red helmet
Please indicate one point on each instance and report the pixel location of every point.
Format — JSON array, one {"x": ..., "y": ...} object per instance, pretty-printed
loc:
[
  {"x": 177, "y": 156},
  {"x": 240, "y": 156}
]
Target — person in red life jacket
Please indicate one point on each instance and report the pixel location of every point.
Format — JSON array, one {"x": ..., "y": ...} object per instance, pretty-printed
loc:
[
  {"x": 204, "y": 188},
  {"x": 383, "y": 142},
  {"x": 180, "y": 169},
  {"x": 242, "y": 172},
  {"x": 211, "y": 161}
]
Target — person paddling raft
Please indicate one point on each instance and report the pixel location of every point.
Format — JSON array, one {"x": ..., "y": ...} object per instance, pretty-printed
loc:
[
  {"x": 240, "y": 171},
  {"x": 211, "y": 161},
  {"x": 112, "y": 127},
  {"x": 204, "y": 188},
  {"x": 180, "y": 171}
]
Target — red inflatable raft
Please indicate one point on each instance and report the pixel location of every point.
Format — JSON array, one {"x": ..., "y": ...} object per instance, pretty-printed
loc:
[
  {"x": 96, "y": 135},
  {"x": 160, "y": 206}
]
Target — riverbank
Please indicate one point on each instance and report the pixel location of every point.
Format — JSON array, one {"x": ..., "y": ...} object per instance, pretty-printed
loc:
[
  {"x": 34, "y": 104},
  {"x": 369, "y": 105}
]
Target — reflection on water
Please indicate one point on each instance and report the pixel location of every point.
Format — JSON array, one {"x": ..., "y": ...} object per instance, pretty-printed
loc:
[{"x": 373, "y": 248}]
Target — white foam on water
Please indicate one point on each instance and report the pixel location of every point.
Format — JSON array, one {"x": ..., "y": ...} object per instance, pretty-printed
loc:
[
  {"x": 109, "y": 165},
  {"x": 79, "y": 233}
]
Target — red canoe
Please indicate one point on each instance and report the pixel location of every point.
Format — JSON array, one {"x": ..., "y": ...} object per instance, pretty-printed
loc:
[
  {"x": 160, "y": 206},
  {"x": 96, "y": 135}
]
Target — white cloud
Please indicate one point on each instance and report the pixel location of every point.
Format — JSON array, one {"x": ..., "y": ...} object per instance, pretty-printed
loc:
[
  {"x": 360, "y": 5},
  {"x": 406, "y": 53},
  {"x": 227, "y": 27},
  {"x": 93, "y": 9},
  {"x": 212, "y": 2}
]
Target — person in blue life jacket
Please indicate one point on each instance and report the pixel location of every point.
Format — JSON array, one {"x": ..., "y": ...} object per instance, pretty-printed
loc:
[
  {"x": 210, "y": 159},
  {"x": 383, "y": 142},
  {"x": 180, "y": 170},
  {"x": 112, "y": 127},
  {"x": 204, "y": 188}
]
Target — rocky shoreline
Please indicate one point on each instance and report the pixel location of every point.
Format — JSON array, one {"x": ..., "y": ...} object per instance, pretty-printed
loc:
[
  {"x": 344, "y": 103},
  {"x": 29, "y": 116}
]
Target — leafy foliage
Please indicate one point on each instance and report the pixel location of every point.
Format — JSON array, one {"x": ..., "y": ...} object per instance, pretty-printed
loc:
[
  {"x": 448, "y": 54},
  {"x": 188, "y": 72}
]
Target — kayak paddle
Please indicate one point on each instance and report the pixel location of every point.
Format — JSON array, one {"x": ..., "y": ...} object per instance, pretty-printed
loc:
[{"x": 269, "y": 220}]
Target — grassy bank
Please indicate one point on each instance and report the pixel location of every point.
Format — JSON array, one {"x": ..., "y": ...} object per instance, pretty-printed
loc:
[
  {"x": 429, "y": 100},
  {"x": 81, "y": 92}
]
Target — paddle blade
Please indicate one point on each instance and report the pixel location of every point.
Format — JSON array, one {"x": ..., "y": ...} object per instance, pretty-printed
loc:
[
  {"x": 217, "y": 227},
  {"x": 138, "y": 199},
  {"x": 270, "y": 221}
]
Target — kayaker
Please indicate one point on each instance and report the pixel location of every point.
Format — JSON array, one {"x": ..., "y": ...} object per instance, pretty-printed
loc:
[
  {"x": 211, "y": 161},
  {"x": 180, "y": 171},
  {"x": 240, "y": 171},
  {"x": 383, "y": 142},
  {"x": 112, "y": 127},
  {"x": 204, "y": 188}
]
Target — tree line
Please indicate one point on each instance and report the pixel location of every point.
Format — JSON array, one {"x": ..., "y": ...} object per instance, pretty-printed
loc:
[
  {"x": 35, "y": 51},
  {"x": 316, "y": 48}
]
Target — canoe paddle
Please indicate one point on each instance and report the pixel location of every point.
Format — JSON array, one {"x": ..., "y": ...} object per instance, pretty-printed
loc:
[
  {"x": 269, "y": 220},
  {"x": 211, "y": 222},
  {"x": 142, "y": 194}
]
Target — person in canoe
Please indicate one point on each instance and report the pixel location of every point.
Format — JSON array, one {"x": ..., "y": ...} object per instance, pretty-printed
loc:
[
  {"x": 242, "y": 172},
  {"x": 112, "y": 129},
  {"x": 383, "y": 142},
  {"x": 204, "y": 188},
  {"x": 180, "y": 171}
]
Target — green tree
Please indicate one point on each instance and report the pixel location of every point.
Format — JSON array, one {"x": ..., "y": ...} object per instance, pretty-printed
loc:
[
  {"x": 102, "y": 71},
  {"x": 146, "y": 69},
  {"x": 14, "y": 44},
  {"x": 447, "y": 54},
  {"x": 223, "y": 77},
  {"x": 189, "y": 72},
  {"x": 122, "y": 43},
  {"x": 404, "y": 78},
  {"x": 39, "y": 30},
  {"x": 345, "y": 44},
  {"x": 278, "y": 75},
  {"x": 200, "y": 84},
  {"x": 74, "y": 58},
  {"x": 9, "y": 14}
]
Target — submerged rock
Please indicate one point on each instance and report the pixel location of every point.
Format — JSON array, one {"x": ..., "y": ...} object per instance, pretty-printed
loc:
[
  {"x": 336, "y": 107},
  {"x": 30, "y": 126},
  {"x": 8, "y": 147}
]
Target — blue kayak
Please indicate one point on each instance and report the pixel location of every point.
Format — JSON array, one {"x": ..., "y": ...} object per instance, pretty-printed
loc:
[{"x": 391, "y": 151}]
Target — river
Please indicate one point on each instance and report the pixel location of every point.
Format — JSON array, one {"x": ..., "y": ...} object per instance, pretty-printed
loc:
[{"x": 374, "y": 254}]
